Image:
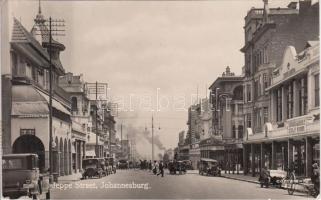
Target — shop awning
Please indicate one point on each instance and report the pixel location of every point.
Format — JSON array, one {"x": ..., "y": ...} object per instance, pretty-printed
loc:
[
  {"x": 28, "y": 101},
  {"x": 91, "y": 153}
]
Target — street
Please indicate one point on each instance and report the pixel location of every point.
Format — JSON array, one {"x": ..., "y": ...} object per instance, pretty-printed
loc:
[{"x": 190, "y": 185}]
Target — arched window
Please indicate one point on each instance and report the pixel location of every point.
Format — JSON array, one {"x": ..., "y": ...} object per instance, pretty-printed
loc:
[{"x": 74, "y": 104}]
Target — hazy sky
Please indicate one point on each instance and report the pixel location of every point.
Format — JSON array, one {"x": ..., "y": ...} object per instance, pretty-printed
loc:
[{"x": 139, "y": 46}]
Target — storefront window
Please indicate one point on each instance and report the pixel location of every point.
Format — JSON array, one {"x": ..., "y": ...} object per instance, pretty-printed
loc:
[
  {"x": 317, "y": 90},
  {"x": 290, "y": 101},
  {"x": 316, "y": 153}
]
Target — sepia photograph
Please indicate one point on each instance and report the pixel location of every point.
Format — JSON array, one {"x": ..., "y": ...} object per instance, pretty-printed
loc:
[{"x": 160, "y": 99}]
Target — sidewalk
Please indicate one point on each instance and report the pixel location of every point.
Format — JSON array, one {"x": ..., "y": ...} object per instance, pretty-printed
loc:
[
  {"x": 69, "y": 178},
  {"x": 240, "y": 177}
]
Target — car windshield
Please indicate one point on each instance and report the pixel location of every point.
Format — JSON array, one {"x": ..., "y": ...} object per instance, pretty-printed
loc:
[
  {"x": 90, "y": 162},
  {"x": 12, "y": 163}
]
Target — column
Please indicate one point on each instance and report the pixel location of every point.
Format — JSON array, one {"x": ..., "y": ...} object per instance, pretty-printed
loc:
[
  {"x": 302, "y": 95},
  {"x": 290, "y": 154},
  {"x": 273, "y": 106},
  {"x": 284, "y": 104},
  {"x": 262, "y": 156},
  {"x": 81, "y": 154},
  {"x": 274, "y": 145},
  {"x": 76, "y": 156},
  {"x": 310, "y": 92},
  {"x": 296, "y": 98},
  {"x": 253, "y": 159},
  {"x": 308, "y": 156},
  {"x": 245, "y": 159}
]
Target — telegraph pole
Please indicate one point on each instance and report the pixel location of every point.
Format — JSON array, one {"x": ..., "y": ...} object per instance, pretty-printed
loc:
[
  {"x": 50, "y": 101},
  {"x": 97, "y": 89},
  {"x": 96, "y": 124},
  {"x": 51, "y": 23},
  {"x": 152, "y": 138},
  {"x": 121, "y": 138}
]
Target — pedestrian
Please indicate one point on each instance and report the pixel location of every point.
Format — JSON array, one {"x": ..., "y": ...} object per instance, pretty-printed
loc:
[
  {"x": 150, "y": 165},
  {"x": 155, "y": 167},
  {"x": 161, "y": 169}
]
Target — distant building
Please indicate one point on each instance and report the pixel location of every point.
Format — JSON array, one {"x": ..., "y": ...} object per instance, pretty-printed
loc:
[
  {"x": 80, "y": 116},
  {"x": 225, "y": 145}
]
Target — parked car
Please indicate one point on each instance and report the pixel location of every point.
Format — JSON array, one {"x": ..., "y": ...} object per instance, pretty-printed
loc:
[
  {"x": 93, "y": 167},
  {"x": 21, "y": 177},
  {"x": 123, "y": 164},
  {"x": 209, "y": 167},
  {"x": 188, "y": 164}
]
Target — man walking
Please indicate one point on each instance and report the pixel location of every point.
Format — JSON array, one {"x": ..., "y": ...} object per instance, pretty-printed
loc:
[{"x": 161, "y": 169}]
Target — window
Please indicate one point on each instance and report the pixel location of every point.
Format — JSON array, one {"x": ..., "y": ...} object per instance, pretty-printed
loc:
[
  {"x": 279, "y": 105},
  {"x": 265, "y": 114},
  {"x": 303, "y": 96},
  {"x": 233, "y": 131},
  {"x": 27, "y": 132},
  {"x": 240, "y": 108},
  {"x": 290, "y": 101},
  {"x": 265, "y": 82},
  {"x": 317, "y": 90},
  {"x": 258, "y": 120},
  {"x": 265, "y": 55},
  {"x": 249, "y": 120},
  {"x": 248, "y": 91},
  {"x": 74, "y": 106}
]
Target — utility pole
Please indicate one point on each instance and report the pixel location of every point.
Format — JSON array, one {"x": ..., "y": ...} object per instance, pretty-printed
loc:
[
  {"x": 51, "y": 23},
  {"x": 96, "y": 124},
  {"x": 50, "y": 101},
  {"x": 152, "y": 138},
  {"x": 121, "y": 138},
  {"x": 97, "y": 89}
]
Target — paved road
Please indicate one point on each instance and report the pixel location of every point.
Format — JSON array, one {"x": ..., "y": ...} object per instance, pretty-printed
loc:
[{"x": 186, "y": 186}]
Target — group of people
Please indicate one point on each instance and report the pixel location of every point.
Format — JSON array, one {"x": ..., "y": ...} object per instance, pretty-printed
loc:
[{"x": 157, "y": 167}]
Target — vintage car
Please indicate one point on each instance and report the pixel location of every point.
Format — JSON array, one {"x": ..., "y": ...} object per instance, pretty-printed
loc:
[
  {"x": 21, "y": 177},
  {"x": 209, "y": 167},
  {"x": 93, "y": 167},
  {"x": 177, "y": 167},
  {"x": 188, "y": 164},
  {"x": 123, "y": 164}
]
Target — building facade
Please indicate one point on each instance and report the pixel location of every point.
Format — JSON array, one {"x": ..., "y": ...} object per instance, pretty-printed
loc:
[
  {"x": 30, "y": 97},
  {"x": 80, "y": 116},
  {"x": 225, "y": 143},
  {"x": 268, "y": 32},
  {"x": 291, "y": 137}
]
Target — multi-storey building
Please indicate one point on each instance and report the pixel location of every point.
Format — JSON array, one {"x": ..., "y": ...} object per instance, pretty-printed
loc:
[
  {"x": 194, "y": 131},
  {"x": 206, "y": 119},
  {"x": 30, "y": 98},
  {"x": 80, "y": 116},
  {"x": 268, "y": 32},
  {"x": 291, "y": 137},
  {"x": 225, "y": 143},
  {"x": 109, "y": 126}
]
